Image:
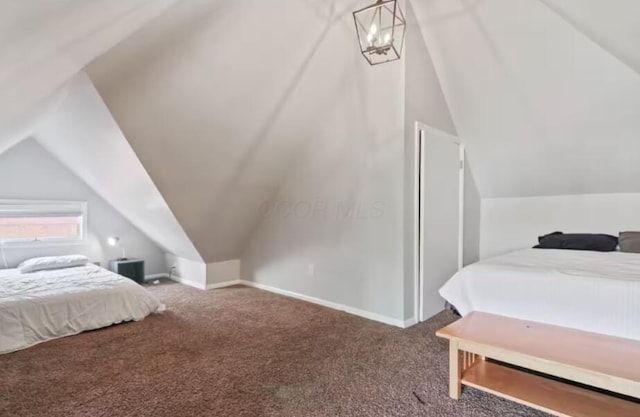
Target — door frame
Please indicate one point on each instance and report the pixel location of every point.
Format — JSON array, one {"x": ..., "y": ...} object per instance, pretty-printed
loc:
[{"x": 420, "y": 136}]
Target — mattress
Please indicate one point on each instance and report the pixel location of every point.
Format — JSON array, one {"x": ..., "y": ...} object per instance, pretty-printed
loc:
[
  {"x": 593, "y": 291},
  {"x": 45, "y": 305}
]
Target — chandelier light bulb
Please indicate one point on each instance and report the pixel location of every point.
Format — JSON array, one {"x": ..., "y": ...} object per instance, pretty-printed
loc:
[
  {"x": 387, "y": 38},
  {"x": 373, "y": 29}
]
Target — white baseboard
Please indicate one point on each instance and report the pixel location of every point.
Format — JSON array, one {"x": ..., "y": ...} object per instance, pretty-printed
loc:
[
  {"x": 188, "y": 282},
  {"x": 204, "y": 287},
  {"x": 410, "y": 322},
  {"x": 341, "y": 307},
  {"x": 151, "y": 277},
  {"x": 224, "y": 284}
]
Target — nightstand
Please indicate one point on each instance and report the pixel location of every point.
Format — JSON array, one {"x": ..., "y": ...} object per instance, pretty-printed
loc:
[{"x": 130, "y": 268}]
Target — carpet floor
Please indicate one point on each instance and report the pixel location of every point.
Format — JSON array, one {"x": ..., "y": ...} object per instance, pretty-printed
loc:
[{"x": 241, "y": 352}]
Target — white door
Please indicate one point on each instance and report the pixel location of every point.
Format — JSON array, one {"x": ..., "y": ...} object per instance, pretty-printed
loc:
[{"x": 441, "y": 213}]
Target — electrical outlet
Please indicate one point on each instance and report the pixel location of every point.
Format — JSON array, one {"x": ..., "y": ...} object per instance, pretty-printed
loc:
[{"x": 311, "y": 269}]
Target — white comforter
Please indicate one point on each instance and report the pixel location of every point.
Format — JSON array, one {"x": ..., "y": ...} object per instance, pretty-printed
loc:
[
  {"x": 45, "y": 305},
  {"x": 591, "y": 291}
]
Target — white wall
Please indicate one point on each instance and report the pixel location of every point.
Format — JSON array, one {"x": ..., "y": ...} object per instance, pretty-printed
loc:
[
  {"x": 223, "y": 272},
  {"x": 186, "y": 271},
  {"x": 29, "y": 172},
  {"x": 334, "y": 231},
  {"x": 514, "y": 223},
  {"x": 472, "y": 216},
  {"x": 200, "y": 275}
]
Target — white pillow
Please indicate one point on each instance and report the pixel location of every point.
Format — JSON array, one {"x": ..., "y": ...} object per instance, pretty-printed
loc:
[{"x": 52, "y": 262}]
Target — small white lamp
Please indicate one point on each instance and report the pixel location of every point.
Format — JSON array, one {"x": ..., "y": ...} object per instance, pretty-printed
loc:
[{"x": 115, "y": 241}]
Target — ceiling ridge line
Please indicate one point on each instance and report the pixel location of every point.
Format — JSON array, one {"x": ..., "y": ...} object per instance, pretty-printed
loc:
[{"x": 576, "y": 26}]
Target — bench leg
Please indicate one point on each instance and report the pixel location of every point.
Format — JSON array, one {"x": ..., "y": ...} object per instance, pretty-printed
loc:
[{"x": 455, "y": 370}]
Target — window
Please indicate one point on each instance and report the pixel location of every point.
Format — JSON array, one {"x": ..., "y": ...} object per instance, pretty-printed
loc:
[{"x": 41, "y": 222}]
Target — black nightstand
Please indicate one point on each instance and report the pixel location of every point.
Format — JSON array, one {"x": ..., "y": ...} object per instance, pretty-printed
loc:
[{"x": 130, "y": 268}]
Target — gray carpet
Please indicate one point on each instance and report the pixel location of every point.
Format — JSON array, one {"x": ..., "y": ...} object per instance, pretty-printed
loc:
[{"x": 241, "y": 352}]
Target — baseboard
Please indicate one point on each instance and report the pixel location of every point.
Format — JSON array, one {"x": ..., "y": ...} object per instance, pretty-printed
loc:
[
  {"x": 341, "y": 307},
  {"x": 152, "y": 277},
  {"x": 335, "y": 306},
  {"x": 197, "y": 284},
  {"x": 224, "y": 284},
  {"x": 188, "y": 282},
  {"x": 410, "y": 322}
]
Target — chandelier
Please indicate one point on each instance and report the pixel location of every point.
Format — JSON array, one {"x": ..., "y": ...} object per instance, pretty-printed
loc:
[{"x": 380, "y": 29}]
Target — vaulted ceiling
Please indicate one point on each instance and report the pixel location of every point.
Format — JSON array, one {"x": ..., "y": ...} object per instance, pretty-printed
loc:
[
  {"x": 546, "y": 93},
  {"x": 83, "y": 135},
  {"x": 217, "y": 97},
  {"x": 44, "y": 44},
  {"x": 43, "y": 47}
]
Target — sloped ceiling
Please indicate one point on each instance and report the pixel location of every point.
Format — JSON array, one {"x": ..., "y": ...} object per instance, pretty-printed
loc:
[
  {"x": 424, "y": 99},
  {"x": 545, "y": 93},
  {"x": 614, "y": 25},
  {"x": 43, "y": 44},
  {"x": 218, "y": 97},
  {"x": 82, "y": 134}
]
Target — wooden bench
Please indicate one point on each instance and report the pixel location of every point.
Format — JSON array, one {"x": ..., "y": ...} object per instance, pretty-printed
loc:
[{"x": 595, "y": 360}]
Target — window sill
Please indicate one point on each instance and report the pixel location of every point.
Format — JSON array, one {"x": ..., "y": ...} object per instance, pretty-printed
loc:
[{"x": 40, "y": 244}]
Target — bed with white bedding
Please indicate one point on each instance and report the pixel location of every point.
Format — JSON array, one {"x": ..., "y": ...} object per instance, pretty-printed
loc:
[
  {"x": 592, "y": 291},
  {"x": 45, "y": 305}
]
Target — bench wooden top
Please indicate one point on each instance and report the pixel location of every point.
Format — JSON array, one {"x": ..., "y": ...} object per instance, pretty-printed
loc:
[{"x": 592, "y": 352}]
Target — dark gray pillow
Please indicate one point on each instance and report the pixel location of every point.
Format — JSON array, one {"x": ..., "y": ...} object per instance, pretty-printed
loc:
[
  {"x": 578, "y": 241},
  {"x": 629, "y": 242},
  {"x": 541, "y": 238}
]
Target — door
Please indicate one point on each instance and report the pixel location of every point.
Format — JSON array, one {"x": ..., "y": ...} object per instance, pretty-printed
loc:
[{"x": 441, "y": 179}]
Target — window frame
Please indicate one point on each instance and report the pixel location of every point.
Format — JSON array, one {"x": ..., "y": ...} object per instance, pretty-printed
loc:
[{"x": 46, "y": 207}]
